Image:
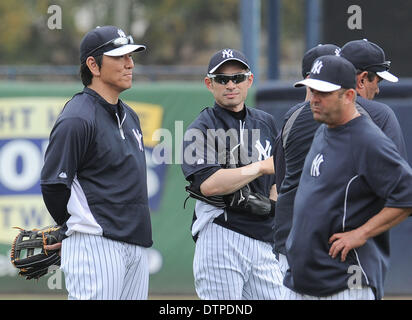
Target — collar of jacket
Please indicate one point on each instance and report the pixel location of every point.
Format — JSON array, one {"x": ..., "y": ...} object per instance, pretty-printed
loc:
[
  {"x": 111, "y": 108},
  {"x": 237, "y": 115}
]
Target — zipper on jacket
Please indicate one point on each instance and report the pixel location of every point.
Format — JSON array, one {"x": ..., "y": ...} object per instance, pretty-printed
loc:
[{"x": 120, "y": 124}]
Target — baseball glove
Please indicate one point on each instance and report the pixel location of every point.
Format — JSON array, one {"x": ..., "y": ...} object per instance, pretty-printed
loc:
[
  {"x": 29, "y": 255},
  {"x": 243, "y": 200},
  {"x": 216, "y": 201},
  {"x": 250, "y": 202}
]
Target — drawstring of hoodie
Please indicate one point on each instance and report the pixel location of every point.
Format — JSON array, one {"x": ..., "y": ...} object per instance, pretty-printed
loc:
[{"x": 120, "y": 124}]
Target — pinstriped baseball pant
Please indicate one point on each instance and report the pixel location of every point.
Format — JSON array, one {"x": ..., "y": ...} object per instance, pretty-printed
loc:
[
  {"x": 98, "y": 268},
  {"x": 231, "y": 266}
]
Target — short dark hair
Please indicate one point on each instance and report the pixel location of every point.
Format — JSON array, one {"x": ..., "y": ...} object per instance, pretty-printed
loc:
[
  {"x": 342, "y": 91},
  {"x": 371, "y": 75},
  {"x": 85, "y": 73}
]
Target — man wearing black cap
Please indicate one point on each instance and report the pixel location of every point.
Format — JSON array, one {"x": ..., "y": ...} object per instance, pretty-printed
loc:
[
  {"x": 369, "y": 60},
  {"x": 230, "y": 159},
  {"x": 292, "y": 145},
  {"x": 94, "y": 177},
  {"x": 338, "y": 245},
  {"x": 371, "y": 67}
]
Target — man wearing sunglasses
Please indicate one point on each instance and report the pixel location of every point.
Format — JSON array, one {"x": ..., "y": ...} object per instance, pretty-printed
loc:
[
  {"x": 228, "y": 155},
  {"x": 94, "y": 177}
]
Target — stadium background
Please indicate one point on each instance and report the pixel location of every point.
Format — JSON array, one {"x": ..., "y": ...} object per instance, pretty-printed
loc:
[{"x": 167, "y": 94}]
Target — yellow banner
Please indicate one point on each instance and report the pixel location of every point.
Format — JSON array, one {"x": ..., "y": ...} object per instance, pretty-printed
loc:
[
  {"x": 25, "y": 125},
  {"x": 26, "y": 212},
  {"x": 34, "y": 117},
  {"x": 151, "y": 116},
  {"x": 29, "y": 117}
]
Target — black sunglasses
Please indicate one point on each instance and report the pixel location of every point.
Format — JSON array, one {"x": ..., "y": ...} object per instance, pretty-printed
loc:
[
  {"x": 385, "y": 64},
  {"x": 224, "y": 78},
  {"x": 116, "y": 42}
]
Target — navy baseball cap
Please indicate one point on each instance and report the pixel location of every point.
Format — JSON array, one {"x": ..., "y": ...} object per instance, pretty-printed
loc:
[
  {"x": 368, "y": 56},
  {"x": 107, "y": 40},
  {"x": 316, "y": 52},
  {"x": 330, "y": 73},
  {"x": 225, "y": 55}
]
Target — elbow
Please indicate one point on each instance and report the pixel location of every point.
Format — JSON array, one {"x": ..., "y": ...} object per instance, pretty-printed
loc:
[
  {"x": 407, "y": 213},
  {"x": 208, "y": 190},
  {"x": 213, "y": 185}
]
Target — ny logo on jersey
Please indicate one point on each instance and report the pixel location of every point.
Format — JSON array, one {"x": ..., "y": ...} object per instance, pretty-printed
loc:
[
  {"x": 264, "y": 152},
  {"x": 314, "y": 170},
  {"x": 227, "y": 53},
  {"x": 317, "y": 66},
  {"x": 337, "y": 52},
  {"x": 138, "y": 136}
]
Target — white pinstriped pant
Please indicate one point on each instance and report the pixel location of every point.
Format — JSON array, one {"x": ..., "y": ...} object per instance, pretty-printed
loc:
[
  {"x": 364, "y": 293},
  {"x": 98, "y": 268},
  {"x": 231, "y": 266},
  {"x": 283, "y": 264}
]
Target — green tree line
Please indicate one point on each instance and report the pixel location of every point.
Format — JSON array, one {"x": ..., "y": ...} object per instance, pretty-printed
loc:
[{"x": 175, "y": 31}]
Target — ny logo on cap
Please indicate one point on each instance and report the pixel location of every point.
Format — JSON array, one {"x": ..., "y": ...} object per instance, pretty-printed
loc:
[
  {"x": 317, "y": 66},
  {"x": 121, "y": 33},
  {"x": 337, "y": 52},
  {"x": 227, "y": 53}
]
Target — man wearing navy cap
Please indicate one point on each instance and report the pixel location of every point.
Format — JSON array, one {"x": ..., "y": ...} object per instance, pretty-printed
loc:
[
  {"x": 292, "y": 145},
  {"x": 227, "y": 155},
  {"x": 299, "y": 127},
  {"x": 338, "y": 245},
  {"x": 371, "y": 67},
  {"x": 94, "y": 177}
]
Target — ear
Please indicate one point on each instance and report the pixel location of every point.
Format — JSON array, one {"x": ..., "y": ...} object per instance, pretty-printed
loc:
[
  {"x": 360, "y": 79},
  {"x": 250, "y": 80},
  {"x": 93, "y": 66},
  {"x": 350, "y": 95},
  {"x": 208, "y": 83}
]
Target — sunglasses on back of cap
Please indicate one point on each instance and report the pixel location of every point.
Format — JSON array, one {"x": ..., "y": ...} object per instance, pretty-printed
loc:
[
  {"x": 385, "y": 64},
  {"x": 117, "y": 42},
  {"x": 224, "y": 78}
]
